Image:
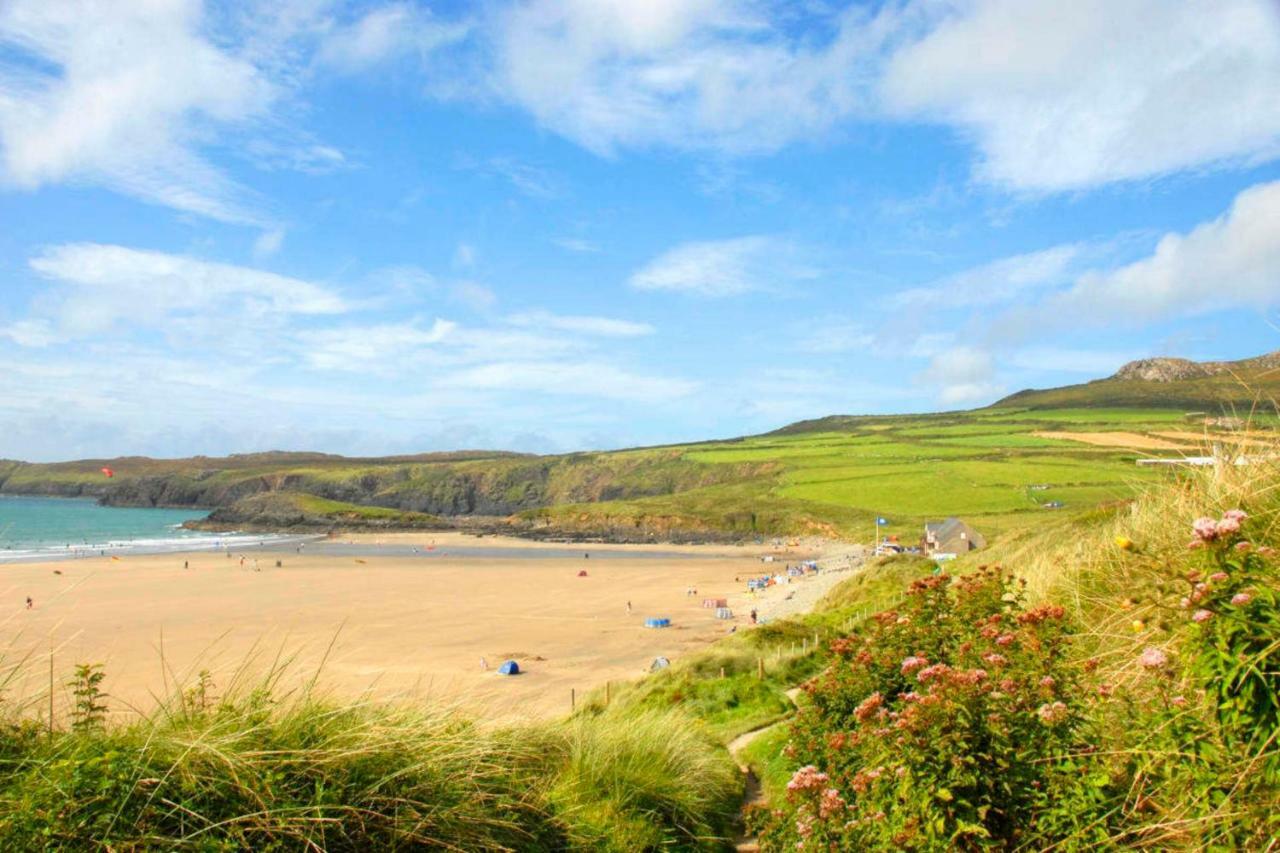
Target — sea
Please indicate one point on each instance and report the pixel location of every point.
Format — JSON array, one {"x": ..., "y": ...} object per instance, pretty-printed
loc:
[{"x": 38, "y": 528}]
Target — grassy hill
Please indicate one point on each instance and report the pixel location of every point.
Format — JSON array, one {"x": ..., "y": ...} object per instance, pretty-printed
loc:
[
  {"x": 1214, "y": 387},
  {"x": 998, "y": 467}
]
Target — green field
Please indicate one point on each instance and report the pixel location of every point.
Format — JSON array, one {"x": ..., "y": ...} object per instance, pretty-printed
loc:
[
  {"x": 987, "y": 466},
  {"x": 830, "y": 477}
]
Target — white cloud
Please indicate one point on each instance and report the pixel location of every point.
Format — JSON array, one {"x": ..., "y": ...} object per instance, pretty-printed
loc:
[
  {"x": 362, "y": 348},
  {"x": 121, "y": 95},
  {"x": 963, "y": 375},
  {"x": 101, "y": 286},
  {"x": 724, "y": 267},
  {"x": 584, "y": 325},
  {"x": 1064, "y": 98},
  {"x": 1230, "y": 262},
  {"x": 701, "y": 74},
  {"x": 996, "y": 283},
  {"x": 383, "y": 34}
]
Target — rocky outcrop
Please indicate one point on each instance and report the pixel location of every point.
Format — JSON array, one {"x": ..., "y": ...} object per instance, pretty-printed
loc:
[
  {"x": 1161, "y": 370},
  {"x": 1165, "y": 369}
]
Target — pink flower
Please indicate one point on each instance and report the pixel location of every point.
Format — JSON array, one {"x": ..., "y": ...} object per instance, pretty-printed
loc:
[
  {"x": 1047, "y": 682},
  {"x": 1004, "y": 639},
  {"x": 830, "y": 803},
  {"x": 1202, "y": 615},
  {"x": 1218, "y": 577},
  {"x": 1185, "y": 603},
  {"x": 911, "y": 663},
  {"x": 867, "y": 707},
  {"x": 1267, "y": 551},
  {"x": 1241, "y": 598},
  {"x": 1244, "y": 547},
  {"x": 807, "y": 778},
  {"x": 1232, "y": 519},
  {"x": 1052, "y": 713},
  {"x": 933, "y": 672},
  {"x": 1153, "y": 658},
  {"x": 995, "y": 659},
  {"x": 1205, "y": 529},
  {"x": 1177, "y": 701}
]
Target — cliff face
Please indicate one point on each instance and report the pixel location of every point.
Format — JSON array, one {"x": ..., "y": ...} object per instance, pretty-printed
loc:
[
  {"x": 294, "y": 512},
  {"x": 498, "y": 486}
]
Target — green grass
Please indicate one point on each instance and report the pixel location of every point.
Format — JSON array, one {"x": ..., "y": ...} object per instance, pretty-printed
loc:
[{"x": 830, "y": 478}]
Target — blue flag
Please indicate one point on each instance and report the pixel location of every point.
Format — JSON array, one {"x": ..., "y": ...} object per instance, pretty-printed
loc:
[{"x": 882, "y": 521}]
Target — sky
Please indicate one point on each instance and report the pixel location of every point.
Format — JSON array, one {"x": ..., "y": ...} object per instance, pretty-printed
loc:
[{"x": 392, "y": 227}]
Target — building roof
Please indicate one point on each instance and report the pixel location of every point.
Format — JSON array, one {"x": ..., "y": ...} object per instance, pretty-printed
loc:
[{"x": 946, "y": 529}]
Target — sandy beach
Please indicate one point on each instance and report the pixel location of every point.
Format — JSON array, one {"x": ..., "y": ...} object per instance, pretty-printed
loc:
[{"x": 398, "y": 626}]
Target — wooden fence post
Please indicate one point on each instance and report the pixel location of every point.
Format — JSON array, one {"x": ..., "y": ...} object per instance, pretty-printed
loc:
[
  {"x": 760, "y": 669},
  {"x": 573, "y": 700}
]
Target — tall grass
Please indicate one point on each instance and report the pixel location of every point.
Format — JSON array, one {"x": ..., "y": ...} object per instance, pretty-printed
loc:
[{"x": 266, "y": 771}]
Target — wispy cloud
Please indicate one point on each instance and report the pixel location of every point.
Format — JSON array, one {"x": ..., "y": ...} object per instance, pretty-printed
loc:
[
  {"x": 716, "y": 268},
  {"x": 117, "y": 95},
  {"x": 1076, "y": 101},
  {"x": 585, "y": 325},
  {"x": 383, "y": 34},
  {"x": 999, "y": 282},
  {"x": 98, "y": 287}
]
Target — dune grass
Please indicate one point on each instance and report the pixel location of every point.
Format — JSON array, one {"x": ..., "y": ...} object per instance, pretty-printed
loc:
[{"x": 265, "y": 769}]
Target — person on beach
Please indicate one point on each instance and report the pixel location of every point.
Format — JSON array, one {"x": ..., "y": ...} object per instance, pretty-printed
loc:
[
  {"x": 628, "y": 608},
  {"x": 484, "y": 665},
  {"x": 753, "y": 616},
  {"x": 30, "y": 604},
  {"x": 186, "y": 564}
]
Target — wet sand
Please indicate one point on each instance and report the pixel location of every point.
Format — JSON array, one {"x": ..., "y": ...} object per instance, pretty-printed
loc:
[{"x": 401, "y": 626}]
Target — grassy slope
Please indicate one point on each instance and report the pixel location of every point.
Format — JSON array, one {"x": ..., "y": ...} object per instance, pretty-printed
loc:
[
  {"x": 839, "y": 475},
  {"x": 830, "y": 477}
]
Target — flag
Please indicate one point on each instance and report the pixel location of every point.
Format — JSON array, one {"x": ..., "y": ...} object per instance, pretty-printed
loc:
[{"x": 882, "y": 521}]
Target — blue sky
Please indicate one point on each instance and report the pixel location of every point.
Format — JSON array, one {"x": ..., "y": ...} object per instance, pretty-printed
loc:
[{"x": 387, "y": 227}]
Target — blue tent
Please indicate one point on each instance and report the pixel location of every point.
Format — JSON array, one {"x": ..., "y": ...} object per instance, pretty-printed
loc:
[
  {"x": 509, "y": 668},
  {"x": 657, "y": 622}
]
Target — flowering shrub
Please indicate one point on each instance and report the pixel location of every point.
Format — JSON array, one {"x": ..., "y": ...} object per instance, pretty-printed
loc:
[
  {"x": 956, "y": 720},
  {"x": 1234, "y": 648}
]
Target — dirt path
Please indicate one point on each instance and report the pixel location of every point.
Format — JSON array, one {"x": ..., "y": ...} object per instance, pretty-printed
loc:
[{"x": 754, "y": 792}]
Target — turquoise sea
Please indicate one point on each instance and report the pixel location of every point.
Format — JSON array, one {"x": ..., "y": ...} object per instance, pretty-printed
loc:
[{"x": 36, "y": 527}]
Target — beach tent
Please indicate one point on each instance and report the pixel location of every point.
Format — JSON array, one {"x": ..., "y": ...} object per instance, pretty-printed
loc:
[
  {"x": 713, "y": 603},
  {"x": 724, "y": 613},
  {"x": 657, "y": 622},
  {"x": 509, "y": 667},
  {"x": 582, "y": 574},
  {"x": 659, "y": 663}
]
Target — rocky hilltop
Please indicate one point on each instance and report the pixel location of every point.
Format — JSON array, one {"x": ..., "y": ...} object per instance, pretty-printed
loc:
[
  {"x": 1164, "y": 369},
  {"x": 1216, "y": 387}
]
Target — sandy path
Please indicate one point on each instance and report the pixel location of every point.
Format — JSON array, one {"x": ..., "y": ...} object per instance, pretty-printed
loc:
[
  {"x": 403, "y": 626},
  {"x": 1115, "y": 439}
]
